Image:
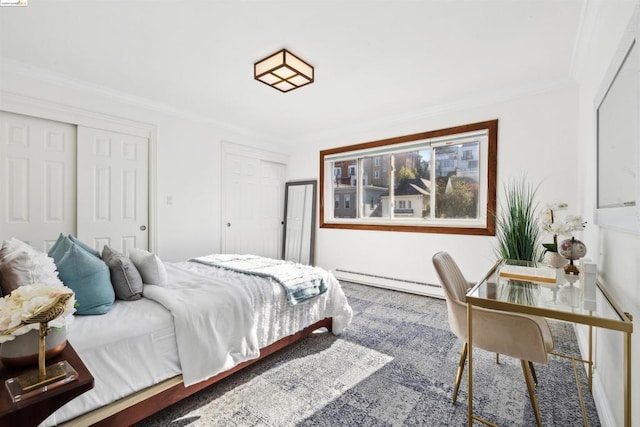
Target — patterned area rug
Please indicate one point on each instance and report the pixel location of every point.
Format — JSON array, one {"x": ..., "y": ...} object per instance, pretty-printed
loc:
[{"x": 394, "y": 366}]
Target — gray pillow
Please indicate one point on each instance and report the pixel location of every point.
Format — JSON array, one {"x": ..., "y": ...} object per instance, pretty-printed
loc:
[
  {"x": 150, "y": 267},
  {"x": 125, "y": 278}
]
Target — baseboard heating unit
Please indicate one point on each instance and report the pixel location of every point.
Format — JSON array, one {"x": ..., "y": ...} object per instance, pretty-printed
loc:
[{"x": 414, "y": 287}]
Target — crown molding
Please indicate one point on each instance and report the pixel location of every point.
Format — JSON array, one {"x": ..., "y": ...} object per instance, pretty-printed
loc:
[
  {"x": 487, "y": 99},
  {"x": 495, "y": 97},
  {"x": 12, "y": 66}
]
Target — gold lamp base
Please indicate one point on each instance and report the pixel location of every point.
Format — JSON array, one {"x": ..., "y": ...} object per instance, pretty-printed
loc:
[
  {"x": 32, "y": 383},
  {"x": 46, "y": 377}
]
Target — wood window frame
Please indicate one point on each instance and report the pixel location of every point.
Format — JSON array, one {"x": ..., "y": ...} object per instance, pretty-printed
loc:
[{"x": 491, "y": 126}]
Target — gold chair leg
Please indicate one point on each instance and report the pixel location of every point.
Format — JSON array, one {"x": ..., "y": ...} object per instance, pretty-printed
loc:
[
  {"x": 533, "y": 373},
  {"x": 497, "y": 358},
  {"x": 463, "y": 359},
  {"x": 532, "y": 392}
]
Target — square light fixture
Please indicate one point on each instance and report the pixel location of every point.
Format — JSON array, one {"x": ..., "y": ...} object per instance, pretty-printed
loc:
[{"x": 283, "y": 71}]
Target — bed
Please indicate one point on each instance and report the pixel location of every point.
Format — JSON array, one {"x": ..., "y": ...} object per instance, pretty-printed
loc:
[{"x": 150, "y": 353}]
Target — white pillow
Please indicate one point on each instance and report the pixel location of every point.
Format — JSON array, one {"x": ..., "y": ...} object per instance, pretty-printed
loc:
[
  {"x": 150, "y": 267},
  {"x": 21, "y": 264}
]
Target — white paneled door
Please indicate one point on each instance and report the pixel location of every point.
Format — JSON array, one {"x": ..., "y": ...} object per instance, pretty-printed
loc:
[
  {"x": 113, "y": 204},
  {"x": 37, "y": 179},
  {"x": 253, "y": 206}
]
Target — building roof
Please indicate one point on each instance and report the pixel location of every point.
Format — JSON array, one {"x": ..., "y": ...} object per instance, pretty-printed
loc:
[{"x": 406, "y": 187}]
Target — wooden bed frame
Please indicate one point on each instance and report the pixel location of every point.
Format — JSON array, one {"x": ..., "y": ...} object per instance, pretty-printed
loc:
[{"x": 144, "y": 403}]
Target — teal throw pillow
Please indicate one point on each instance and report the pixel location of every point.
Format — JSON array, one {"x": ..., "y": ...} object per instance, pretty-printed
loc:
[
  {"x": 84, "y": 246},
  {"x": 87, "y": 275}
]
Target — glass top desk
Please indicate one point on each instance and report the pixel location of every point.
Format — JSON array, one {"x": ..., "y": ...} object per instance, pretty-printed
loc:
[{"x": 525, "y": 288}]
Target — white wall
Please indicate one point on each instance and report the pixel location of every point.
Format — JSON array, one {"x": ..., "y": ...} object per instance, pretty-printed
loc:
[
  {"x": 536, "y": 137},
  {"x": 548, "y": 136},
  {"x": 188, "y": 157},
  {"x": 616, "y": 254}
]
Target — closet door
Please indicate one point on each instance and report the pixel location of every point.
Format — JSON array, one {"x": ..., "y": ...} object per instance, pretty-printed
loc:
[
  {"x": 253, "y": 205},
  {"x": 113, "y": 203},
  {"x": 37, "y": 179}
]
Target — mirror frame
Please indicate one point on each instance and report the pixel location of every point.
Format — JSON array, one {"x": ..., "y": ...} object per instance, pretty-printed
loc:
[
  {"x": 314, "y": 189},
  {"x": 625, "y": 218}
]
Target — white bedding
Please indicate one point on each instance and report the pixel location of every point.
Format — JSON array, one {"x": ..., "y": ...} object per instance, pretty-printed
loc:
[
  {"x": 116, "y": 348},
  {"x": 214, "y": 322},
  {"x": 140, "y": 343}
]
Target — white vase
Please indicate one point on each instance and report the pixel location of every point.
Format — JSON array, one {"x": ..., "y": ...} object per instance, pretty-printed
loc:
[
  {"x": 23, "y": 349},
  {"x": 555, "y": 260}
]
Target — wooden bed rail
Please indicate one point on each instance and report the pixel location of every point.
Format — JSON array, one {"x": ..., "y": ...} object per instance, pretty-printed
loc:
[{"x": 144, "y": 403}]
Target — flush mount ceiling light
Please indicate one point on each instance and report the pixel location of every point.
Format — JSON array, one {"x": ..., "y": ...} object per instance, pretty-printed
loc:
[{"x": 283, "y": 71}]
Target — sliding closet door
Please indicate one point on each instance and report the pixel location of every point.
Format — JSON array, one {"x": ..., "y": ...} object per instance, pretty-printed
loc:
[
  {"x": 253, "y": 204},
  {"x": 37, "y": 179},
  {"x": 113, "y": 203}
]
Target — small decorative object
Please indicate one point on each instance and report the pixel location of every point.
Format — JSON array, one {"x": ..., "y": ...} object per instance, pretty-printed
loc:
[
  {"x": 36, "y": 305},
  {"x": 572, "y": 250},
  {"x": 550, "y": 224},
  {"x": 554, "y": 259}
]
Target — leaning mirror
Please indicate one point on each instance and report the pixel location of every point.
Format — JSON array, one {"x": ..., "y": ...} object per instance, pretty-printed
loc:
[
  {"x": 299, "y": 221},
  {"x": 618, "y": 138}
]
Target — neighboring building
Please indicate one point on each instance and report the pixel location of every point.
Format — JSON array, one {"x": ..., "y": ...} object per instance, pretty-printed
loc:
[
  {"x": 409, "y": 202},
  {"x": 345, "y": 199}
]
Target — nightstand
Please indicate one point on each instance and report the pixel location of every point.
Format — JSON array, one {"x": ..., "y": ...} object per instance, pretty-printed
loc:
[{"x": 33, "y": 410}]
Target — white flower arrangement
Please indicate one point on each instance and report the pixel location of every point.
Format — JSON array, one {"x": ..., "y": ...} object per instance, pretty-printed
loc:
[
  {"x": 551, "y": 224},
  {"x": 25, "y": 301}
]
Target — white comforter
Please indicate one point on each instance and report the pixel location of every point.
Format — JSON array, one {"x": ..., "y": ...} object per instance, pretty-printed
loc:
[
  {"x": 220, "y": 316},
  {"x": 213, "y": 320}
]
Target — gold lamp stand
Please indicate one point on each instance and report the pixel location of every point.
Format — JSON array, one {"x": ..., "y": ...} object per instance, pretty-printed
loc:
[{"x": 46, "y": 377}]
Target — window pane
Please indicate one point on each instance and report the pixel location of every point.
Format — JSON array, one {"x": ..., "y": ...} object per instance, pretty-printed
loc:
[
  {"x": 457, "y": 181},
  {"x": 411, "y": 178},
  {"x": 344, "y": 188},
  {"x": 375, "y": 189}
]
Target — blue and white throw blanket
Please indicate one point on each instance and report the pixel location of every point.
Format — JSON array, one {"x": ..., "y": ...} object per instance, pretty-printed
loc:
[{"x": 300, "y": 282}]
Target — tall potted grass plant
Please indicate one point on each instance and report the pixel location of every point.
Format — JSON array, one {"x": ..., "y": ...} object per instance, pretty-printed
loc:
[{"x": 517, "y": 228}]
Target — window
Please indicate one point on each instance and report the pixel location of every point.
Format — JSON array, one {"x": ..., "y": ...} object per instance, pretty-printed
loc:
[
  {"x": 337, "y": 172},
  {"x": 441, "y": 181},
  {"x": 337, "y": 202},
  {"x": 352, "y": 170}
]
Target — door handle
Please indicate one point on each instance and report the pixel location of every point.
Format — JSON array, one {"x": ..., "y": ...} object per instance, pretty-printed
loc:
[
  {"x": 228, "y": 224},
  {"x": 143, "y": 227}
]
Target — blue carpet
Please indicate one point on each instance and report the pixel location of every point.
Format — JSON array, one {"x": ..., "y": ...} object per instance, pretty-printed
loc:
[{"x": 394, "y": 366}]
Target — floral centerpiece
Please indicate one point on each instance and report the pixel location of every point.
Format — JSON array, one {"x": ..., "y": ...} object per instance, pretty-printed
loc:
[{"x": 24, "y": 302}]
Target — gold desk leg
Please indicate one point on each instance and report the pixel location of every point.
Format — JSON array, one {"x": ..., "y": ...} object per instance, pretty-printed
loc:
[
  {"x": 470, "y": 356},
  {"x": 583, "y": 407},
  {"x": 627, "y": 381}
]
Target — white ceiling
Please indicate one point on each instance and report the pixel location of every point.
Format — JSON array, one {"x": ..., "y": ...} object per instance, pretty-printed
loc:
[{"x": 374, "y": 60}]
